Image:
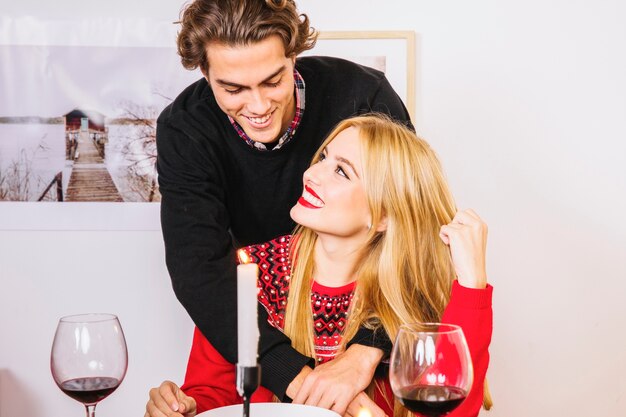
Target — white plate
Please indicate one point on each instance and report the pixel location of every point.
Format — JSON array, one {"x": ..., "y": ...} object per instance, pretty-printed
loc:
[{"x": 270, "y": 410}]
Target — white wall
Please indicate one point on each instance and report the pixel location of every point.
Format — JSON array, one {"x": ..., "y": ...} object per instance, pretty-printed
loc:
[
  {"x": 47, "y": 275},
  {"x": 525, "y": 103}
]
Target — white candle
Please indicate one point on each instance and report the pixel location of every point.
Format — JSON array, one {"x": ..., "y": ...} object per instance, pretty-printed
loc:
[{"x": 247, "y": 326}]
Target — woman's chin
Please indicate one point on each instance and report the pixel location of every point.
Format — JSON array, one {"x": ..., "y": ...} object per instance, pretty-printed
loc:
[
  {"x": 293, "y": 213},
  {"x": 299, "y": 215}
]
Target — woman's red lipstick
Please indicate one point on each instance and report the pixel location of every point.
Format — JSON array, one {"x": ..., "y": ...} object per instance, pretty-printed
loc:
[
  {"x": 307, "y": 204},
  {"x": 313, "y": 193}
]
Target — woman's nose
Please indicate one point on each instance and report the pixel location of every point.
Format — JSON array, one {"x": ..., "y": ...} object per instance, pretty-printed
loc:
[{"x": 312, "y": 174}]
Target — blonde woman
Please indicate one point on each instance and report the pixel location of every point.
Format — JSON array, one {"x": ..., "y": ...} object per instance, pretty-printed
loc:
[{"x": 380, "y": 243}]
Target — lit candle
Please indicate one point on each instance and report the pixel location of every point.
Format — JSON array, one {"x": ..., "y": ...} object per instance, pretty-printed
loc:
[{"x": 247, "y": 326}]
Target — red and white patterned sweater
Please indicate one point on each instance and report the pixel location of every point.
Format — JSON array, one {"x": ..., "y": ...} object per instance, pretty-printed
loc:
[
  {"x": 210, "y": 379},
  {"x": 329, "y": 304}
]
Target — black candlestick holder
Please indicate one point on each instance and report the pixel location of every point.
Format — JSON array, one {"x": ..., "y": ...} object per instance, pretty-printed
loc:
[{"x": 248, "y": 380}]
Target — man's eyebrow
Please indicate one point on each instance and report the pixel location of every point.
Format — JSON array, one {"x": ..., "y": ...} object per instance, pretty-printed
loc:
[{"x": 233, "y": 84}]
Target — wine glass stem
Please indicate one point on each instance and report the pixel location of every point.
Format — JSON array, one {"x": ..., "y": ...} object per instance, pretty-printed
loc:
[{"x": 91, "y": 410}]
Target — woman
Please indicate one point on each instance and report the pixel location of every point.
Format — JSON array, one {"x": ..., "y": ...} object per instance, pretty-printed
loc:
[{"x": 380, "y": 244}]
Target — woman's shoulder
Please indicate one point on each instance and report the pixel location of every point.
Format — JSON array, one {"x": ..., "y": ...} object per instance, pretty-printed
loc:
[
  {"x": 271, "y": 252},
  {"x": 272, "y": 257}
]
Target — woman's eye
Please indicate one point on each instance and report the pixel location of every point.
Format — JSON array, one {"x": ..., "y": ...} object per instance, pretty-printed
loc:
[
  {"x": 341, "y": 172},
  {"x": 321, "y": 157}
]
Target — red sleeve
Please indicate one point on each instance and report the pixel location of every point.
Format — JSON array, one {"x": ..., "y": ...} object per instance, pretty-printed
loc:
[
  {"x": 470, "y": 308},
  {"x": 210, "y": 379}
]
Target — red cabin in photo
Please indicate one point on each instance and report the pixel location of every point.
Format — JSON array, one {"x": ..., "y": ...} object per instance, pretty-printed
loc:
[{"x": 90, "y": 120}]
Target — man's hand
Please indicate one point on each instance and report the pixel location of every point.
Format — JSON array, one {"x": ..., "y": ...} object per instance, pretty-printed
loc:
[
  {"x": 336, "y": 384},
  {"x": 169, "y": 400},
  {"x": 294, "y": 386}
]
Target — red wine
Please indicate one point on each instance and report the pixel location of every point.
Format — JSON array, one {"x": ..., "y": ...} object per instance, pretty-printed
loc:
[
  {"x": 431, "y": 401},
  {"x": 89, "y": 390}
]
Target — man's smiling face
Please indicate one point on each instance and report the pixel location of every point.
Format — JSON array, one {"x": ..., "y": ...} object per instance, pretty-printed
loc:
[{"x": 254, "y": 85}]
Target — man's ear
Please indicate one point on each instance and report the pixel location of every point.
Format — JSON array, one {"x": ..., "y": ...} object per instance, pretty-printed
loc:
[{"x": 205, "y": 74}]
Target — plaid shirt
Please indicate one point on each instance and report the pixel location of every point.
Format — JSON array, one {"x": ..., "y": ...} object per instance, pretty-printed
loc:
[{"x": 293, "y": 126}]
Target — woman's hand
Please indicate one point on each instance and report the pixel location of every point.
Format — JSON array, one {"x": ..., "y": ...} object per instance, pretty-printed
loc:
[
  {"x": 335, "y": 385},
  {"x": 169, "y": 400},
  {"x": 466, "y": 236}
]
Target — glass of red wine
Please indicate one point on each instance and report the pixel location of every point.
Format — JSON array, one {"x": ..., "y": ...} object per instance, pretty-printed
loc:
[
  {"x": 89, "y": 357},
  {"x": 430, "y": 368}
]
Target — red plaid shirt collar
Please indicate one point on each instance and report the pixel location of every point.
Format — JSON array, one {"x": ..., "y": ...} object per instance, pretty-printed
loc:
[{"x": 293, "y": 126}]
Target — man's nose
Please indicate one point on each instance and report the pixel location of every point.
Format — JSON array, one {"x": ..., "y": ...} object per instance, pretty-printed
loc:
[{"x": 258, "y": 104}]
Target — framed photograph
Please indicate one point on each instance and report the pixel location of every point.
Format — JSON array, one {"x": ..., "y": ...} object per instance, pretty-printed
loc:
[
  {"x": 392, "y": 52},
  {"x": 78, "y": 116},
  {"x": 78, "y": 121}
]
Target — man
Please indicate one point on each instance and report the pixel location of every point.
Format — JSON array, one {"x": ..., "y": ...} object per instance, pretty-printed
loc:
[{"x": 232, "y": 149}]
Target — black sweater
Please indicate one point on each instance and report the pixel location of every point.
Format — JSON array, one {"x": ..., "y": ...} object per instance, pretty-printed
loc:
[{"x": 219, "y": 193}]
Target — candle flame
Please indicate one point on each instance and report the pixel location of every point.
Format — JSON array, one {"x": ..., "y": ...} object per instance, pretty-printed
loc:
[
  {"x": 364, "y": 412},
  {"x": 244, "y": 258}
]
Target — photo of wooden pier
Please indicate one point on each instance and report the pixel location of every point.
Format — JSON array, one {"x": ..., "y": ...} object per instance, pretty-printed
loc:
[{"x": 89, "y": 134}]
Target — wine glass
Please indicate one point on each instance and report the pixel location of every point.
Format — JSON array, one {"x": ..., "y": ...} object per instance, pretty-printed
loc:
[
  {"x": 430, "y": 369},
  {"x": 89, "y": 357}
]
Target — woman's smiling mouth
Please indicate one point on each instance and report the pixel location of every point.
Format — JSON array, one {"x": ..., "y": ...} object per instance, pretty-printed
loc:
[{"x": 310, "y": 199}]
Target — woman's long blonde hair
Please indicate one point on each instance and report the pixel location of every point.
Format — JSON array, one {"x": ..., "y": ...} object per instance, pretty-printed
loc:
[{"x": 405, "y": 273}]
